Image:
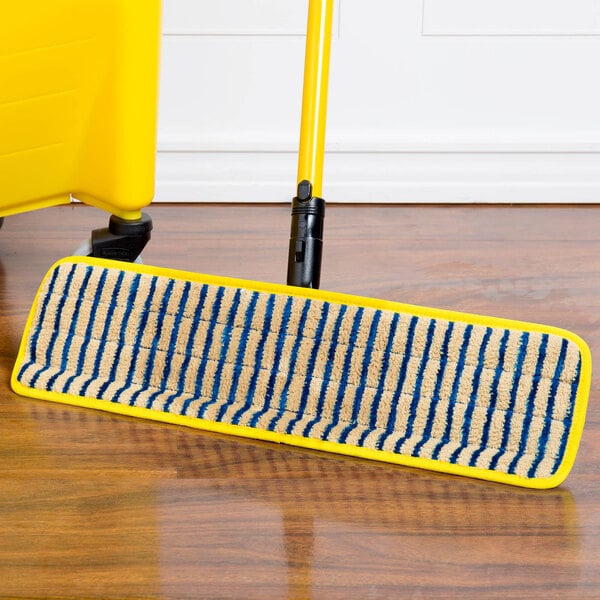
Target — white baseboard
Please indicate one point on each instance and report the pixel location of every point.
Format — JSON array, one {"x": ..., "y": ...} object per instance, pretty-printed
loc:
[{"x": 383, "y": 171}]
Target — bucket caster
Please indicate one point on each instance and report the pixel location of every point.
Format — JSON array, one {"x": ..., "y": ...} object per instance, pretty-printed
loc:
[{"x": 122, "y": 240}]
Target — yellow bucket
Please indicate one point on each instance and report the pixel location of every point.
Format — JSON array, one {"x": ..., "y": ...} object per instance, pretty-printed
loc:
[{"x": 78, "y": 104}]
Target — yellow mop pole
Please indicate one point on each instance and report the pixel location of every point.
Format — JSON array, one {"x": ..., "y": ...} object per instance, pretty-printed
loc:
[
  {"x": 308, "y": 208},
  {"x": 314, "y": 97}
]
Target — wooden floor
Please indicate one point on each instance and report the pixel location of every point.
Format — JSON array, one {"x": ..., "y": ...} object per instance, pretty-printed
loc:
[{"x": 94, "y": 505}]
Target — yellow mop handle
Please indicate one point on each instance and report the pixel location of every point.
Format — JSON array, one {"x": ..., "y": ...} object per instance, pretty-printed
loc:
[
  {"x": 314, "y": 97},
  {"x": 308, "y": 207}
]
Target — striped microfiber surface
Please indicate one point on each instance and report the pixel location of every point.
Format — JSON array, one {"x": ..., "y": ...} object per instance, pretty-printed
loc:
[{"x": 467, "y": 394}]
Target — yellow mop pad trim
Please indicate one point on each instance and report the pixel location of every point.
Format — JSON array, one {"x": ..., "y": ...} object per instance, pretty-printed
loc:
[{"x": 471, "y": 395}]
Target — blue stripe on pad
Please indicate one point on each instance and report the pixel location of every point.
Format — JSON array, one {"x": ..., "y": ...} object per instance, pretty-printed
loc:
[
  {"x": 385, "y": 365},
  {"x": 33, "y": 342},
  {"x": 517, "y": 373},
  {"x": 360, "y": 390},
  {"x": 56, "y": 327},
  {"x": 225, "y": 344},
  {"x": 466, "y": 424},
  {"x": 345, "y": 374},
  {"x": 569, "y": 418},
  {"x": 285, "y": 318},
  {"x": 416, "y": 394},
  {"x": 189, "y": 347},
  {"x": 133, "y": 361},
  {"x": 545, "y": 435},
  {"x": 149, "y": 363},
  {"x": 300, "y": 412},
  {"x": 530, "y": 404},
  {"x": 239, "y": 359},
  {"x": 172, "y": 344},
  {"x": 485, "y": 436},
  {"x": 291, "y": 366},
  {"x": 72, "y": 329},
  {"x": 88, "y": 335},
  {"x": 406, "y": 356},
  {"x": 436, "y": 393},
  {"x": 454, "y": 393},
  {"x": 103, "y": 337},
  {"x": 327, "y": 372},
  {"x": 131, "y": 297},
  {"x": 256, "y": 360},
  {"x": 208, "y": 340}
]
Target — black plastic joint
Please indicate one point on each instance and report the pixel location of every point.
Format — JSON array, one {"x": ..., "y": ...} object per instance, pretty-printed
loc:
[
  {"x": 123, "y": 239},
  {"x": 306, "y": 238}
]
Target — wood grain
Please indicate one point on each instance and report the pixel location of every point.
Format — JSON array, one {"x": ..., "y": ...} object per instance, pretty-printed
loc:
[{"x": 99, "y": 506}]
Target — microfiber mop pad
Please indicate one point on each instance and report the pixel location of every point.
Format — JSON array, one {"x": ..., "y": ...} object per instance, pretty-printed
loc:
[{"x": 479, "y": 396}]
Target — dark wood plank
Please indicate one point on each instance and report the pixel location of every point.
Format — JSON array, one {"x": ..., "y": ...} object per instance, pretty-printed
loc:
[{"x": 99, "y": 506}]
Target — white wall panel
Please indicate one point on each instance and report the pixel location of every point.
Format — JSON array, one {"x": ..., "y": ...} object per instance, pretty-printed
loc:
[
  {"x": 511, "y": 17},
  {"x": 234, "y": 17},
  {"x": 430, "y": 100}
]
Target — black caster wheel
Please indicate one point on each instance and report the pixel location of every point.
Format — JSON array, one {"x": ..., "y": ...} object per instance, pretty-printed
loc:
[{"x": 121, "y": 240}]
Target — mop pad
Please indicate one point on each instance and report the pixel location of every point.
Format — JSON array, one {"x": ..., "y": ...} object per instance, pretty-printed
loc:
[{"x": 485, "y": 397}]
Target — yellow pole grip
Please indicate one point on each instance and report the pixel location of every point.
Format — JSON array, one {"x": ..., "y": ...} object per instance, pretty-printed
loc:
[{"x": 314, "y": 97}]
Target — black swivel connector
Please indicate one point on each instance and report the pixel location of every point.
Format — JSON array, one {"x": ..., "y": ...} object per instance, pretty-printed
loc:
[{"x": 306, "y": 238}]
